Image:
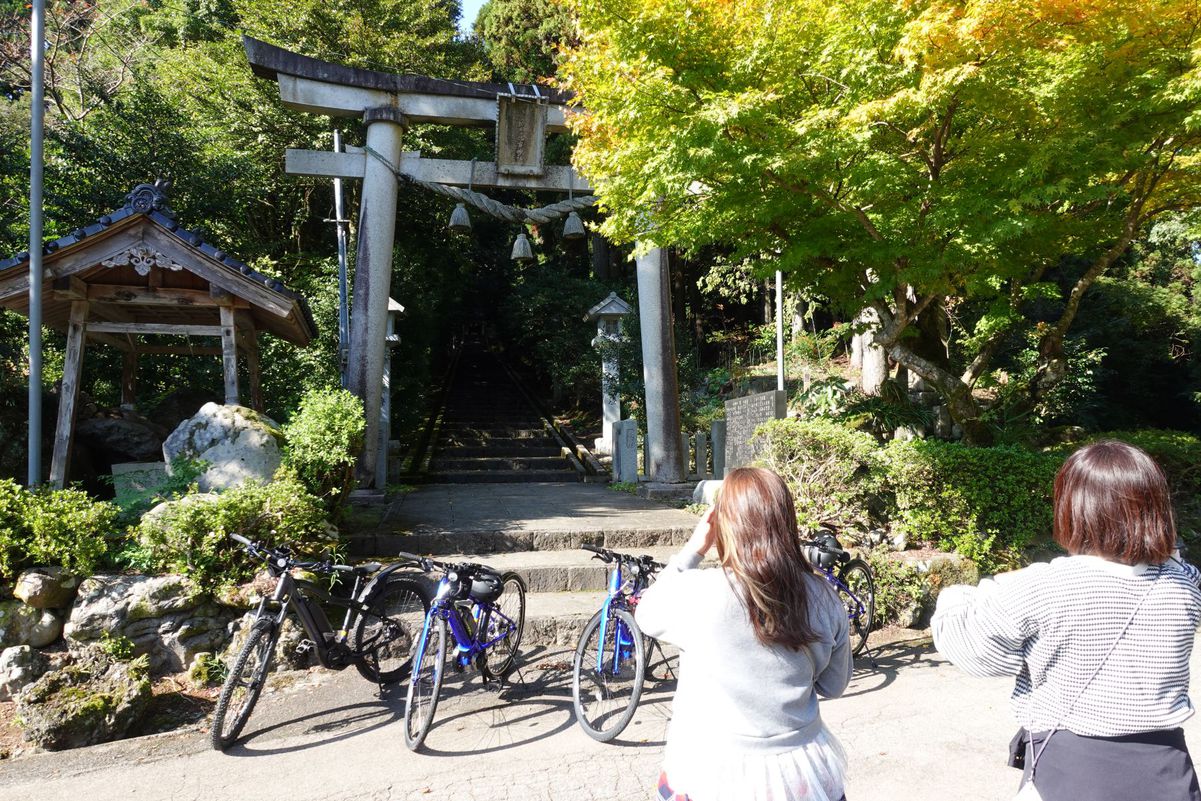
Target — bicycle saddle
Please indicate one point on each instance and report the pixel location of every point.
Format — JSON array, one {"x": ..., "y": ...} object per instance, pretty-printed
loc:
[{"x": 364, "y": 569}]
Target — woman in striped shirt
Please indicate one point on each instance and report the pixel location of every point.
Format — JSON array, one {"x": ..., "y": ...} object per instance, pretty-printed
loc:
[{"x": 1099, "y": 640}]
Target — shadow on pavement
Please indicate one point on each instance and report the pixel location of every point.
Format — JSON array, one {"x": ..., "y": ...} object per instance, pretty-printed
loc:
[
  {"x": 891, "y": 659},
  {"x": 341, "y": 722}
]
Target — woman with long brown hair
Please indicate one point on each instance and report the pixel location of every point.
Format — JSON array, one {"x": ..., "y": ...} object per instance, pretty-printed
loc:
[
  {"x": 1098, "y": 641},
  {"x": 760, "y": 638}
]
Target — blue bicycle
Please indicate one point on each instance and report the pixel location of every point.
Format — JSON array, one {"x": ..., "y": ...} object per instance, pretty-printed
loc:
[
  {"x": 484, "y": 611},
  {"x": 611, "y": 657},
  {"x": 854, "y": 584}
]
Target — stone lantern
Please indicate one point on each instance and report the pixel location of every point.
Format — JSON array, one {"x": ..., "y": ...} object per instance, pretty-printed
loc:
[{"x": 608, "y": 314}]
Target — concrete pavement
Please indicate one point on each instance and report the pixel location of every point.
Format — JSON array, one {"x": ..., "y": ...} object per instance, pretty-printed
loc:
[{"x": 916, "y": 728}]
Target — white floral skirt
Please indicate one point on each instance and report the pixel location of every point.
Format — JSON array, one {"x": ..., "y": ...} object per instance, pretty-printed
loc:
[{"x": 814, "y": 772}]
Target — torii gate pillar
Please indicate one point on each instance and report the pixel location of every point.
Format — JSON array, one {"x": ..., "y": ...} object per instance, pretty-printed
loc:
[{"x": 373, "y": 273}]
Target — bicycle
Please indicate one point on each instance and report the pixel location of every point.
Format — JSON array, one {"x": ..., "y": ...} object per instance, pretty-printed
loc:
[
  {"x": 611, "y": 657},
  {"x": 854, "y": 584},
  {"x": 484, "y": 610},
  {"x": 382, "y": 615}
]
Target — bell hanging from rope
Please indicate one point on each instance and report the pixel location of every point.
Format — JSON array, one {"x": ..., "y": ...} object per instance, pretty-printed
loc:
[
  {"x": 573, "y": 228},
  {"x": 460, "y": 220},
  {"x": 522, "y": 251}
]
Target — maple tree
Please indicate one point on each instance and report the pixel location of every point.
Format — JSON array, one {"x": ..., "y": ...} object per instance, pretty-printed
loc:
[{"x": 906, "y": 157}]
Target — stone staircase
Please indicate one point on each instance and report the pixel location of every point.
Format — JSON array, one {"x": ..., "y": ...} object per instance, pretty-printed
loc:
[
  {"x": 535, "y": 530},
  {"x": 489, "y": 432}
]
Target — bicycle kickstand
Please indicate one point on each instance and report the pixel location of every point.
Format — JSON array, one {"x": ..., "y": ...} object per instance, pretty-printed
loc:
[{"x": 871, "y": 657}]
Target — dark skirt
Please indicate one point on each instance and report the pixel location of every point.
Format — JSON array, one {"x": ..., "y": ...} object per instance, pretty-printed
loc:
[{"x": 1150, "y": 765}]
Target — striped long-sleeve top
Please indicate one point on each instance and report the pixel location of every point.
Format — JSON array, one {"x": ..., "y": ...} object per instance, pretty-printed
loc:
[{"x": 1051, "y": 624}]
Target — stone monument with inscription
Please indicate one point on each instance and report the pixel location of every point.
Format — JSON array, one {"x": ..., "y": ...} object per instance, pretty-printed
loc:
[{"x": 743, "y": 416}]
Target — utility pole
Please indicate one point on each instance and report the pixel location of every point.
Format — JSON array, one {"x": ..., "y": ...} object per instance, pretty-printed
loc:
[{"x": 37, "y": 52}]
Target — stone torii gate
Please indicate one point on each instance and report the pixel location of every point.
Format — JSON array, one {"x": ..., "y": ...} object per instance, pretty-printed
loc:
[{"x": 523, "y": 116}]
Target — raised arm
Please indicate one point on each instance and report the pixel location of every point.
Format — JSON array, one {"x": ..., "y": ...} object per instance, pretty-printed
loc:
[{"x": 973, "y": 628}]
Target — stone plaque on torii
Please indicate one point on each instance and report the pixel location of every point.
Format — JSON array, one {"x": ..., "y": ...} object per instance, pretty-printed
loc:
[{"x": 387, "y": 104}]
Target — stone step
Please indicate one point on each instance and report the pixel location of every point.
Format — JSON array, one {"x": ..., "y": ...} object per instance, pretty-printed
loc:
[
  {"x": 498, "y": 430},
  {"x": 464, "y": 440},
  {"x": 449, "y": 461},
  {"x": 523, "y": 448},
  {"x": 571, "y": 570},
  {"x": 500, "y": 476},
  {"x": 490, "y": 543},
  {"x": 558, "y": 618}
]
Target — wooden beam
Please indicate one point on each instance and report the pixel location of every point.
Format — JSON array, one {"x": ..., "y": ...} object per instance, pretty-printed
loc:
[
  {"x": 154, "y": 296},
  {"x": 339, "y": 100},
  {"x": 229, "y": 356},
  {"x": 70, "y": 287},
  {"x": 129, "y": 378},
  {"x": 178, "y": 350},
  {"x": 68, "y": 394},
  {"x": 248, "y": 339},
  {"x": 179, "y": 329},
  {"x": 107, "y": 339},
  {"x": 326, "y": 164}
]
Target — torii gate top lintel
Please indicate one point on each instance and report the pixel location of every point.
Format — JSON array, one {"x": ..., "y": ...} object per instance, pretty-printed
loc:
[{"x": 296, "y": 73}]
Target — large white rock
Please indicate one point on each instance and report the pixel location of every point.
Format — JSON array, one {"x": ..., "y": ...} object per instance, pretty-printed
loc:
[
  {"x": 238, "y": 445},
  {"x": 167, "y": 617}
]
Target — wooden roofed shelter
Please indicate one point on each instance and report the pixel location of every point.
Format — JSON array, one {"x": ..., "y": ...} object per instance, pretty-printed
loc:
[{"x": 134, "y": 276}]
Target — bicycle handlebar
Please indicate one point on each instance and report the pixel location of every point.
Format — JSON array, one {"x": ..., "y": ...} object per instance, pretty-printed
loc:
[
  {"x": 283, "y": 560},
  {"x": 607, "y": 556}
]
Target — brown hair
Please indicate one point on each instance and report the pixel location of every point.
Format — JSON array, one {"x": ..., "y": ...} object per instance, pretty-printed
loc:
[
  {"x": 1112, "y": 501},
  {"x": 755, "y": 524}
]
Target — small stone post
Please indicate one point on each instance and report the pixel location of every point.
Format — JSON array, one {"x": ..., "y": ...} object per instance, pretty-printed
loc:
[
  {"x": 608, "y": 314},
  {"x": 718, "y": 430}
]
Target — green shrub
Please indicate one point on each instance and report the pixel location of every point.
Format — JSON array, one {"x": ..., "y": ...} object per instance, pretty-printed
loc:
[
  {"x": 52, "y": 527},
  {"x": 831, "y": 470},
  {"x": 900, "y": 587},
  {"x": 323, "y": 441},
  {"x": 191, "y": 535},
  {"x": 984, "y": 503}
]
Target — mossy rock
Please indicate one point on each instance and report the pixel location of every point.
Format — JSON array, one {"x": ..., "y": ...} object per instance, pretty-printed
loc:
[{"x": 93, "y": 700}]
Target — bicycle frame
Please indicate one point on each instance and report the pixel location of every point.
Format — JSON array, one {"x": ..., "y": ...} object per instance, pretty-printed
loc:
[
  {"x": 838, "y": 584},
  {"x": 300, "y": 594},
  {"x": 612, "y": 600},
  {"x": 467, "y": 643}
]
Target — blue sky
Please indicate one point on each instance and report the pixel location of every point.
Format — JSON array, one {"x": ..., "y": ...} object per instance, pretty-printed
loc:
[{"x": 471, "y": 8}]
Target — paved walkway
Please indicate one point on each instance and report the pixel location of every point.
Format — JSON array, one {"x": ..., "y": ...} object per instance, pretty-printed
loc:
[{"x": 916, "y": 728}]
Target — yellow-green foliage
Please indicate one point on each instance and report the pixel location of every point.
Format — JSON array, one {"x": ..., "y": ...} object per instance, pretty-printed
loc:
[
  {"x": 323, "y": 441},
  {"x": 831, "y": 469},
  {"x": 191, "y": 535},
  {"x": 52, "y": 527}
]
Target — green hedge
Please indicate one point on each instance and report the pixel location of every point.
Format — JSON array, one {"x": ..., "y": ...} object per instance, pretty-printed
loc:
[
  {"x": 190, "y": 536},
  {"x": 52, "y": 527},
  {"x": 984, "y": 503},
  {"x": 833, "y": 471},
  {"x": 323, "y": 442}
]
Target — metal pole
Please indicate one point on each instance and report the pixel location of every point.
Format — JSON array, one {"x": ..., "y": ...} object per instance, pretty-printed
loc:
[
  {"x": 37, "y": 52},
  {"x": 779, "y": 330},
  {"x": 343, "y": 301}
]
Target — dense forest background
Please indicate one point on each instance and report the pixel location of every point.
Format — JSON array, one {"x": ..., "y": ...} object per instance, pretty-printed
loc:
[{"x": 140, "y": 89}]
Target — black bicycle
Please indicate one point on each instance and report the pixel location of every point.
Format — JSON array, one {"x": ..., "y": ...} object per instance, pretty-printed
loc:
[
  {"x": 853, "y": 581},
  {"x": 384, "y": 616},
  {"x": 611, "y": 656}
]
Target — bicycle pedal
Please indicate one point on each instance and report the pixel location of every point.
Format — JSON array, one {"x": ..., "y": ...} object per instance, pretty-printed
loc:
[{"x": 305, "y": 647}]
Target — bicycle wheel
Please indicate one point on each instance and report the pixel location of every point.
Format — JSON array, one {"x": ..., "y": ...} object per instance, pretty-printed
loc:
[
  {"x": 424, "y": 686},
  {"x": 511, "y": 604},
  {"x": 385, "y": 637},
  {"x": 243, "y": 684},
  {"x": 857, "y": 577},
  {"x": 607, "y": 677}
]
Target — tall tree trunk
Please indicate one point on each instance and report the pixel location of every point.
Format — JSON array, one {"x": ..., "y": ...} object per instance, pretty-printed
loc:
[{"x": 874, "y": 360}]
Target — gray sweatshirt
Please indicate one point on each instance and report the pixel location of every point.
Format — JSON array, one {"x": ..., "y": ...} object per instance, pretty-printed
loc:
[{"x": 734, "y": 692}]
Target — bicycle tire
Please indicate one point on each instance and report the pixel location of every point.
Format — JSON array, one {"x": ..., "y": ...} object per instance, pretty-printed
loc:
[
  {"x": 511, "y": 603},
  {"x": 612, "y": 715},
  {"x": 260, "y": 646},
  {"x": 857, "y": 577},
  {"x": 390, "y": 630},
  {"x": 419, "y": 712}
]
